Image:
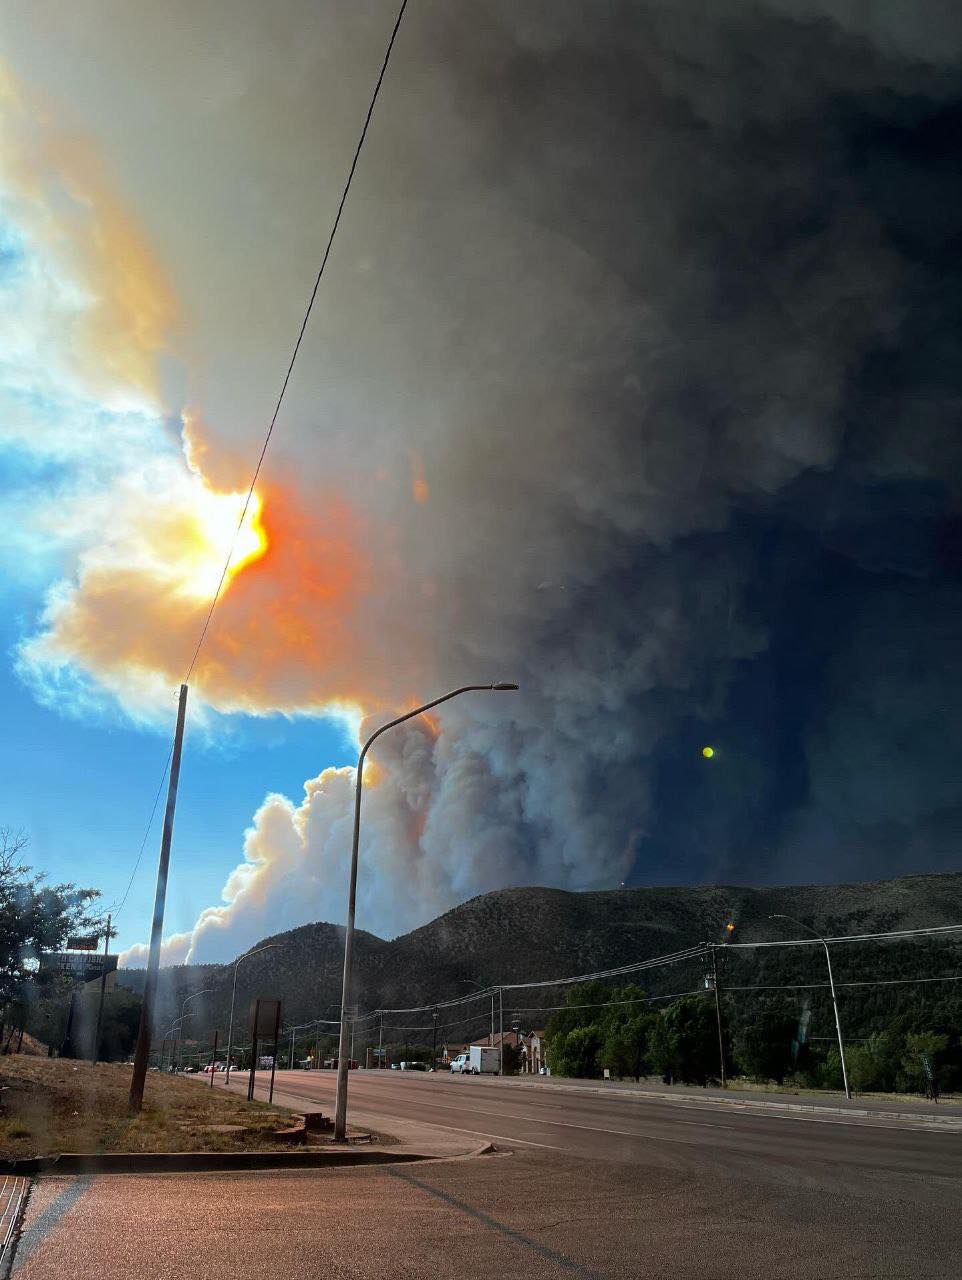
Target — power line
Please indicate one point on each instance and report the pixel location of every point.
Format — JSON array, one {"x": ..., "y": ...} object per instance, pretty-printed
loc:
[
  {"x": 300, "y": 337},
  {"x": 277, "y": 407},
  {"x": 655, "y": 963},
  {"x": 690, "y": 953},
  {"x": 868, "y": 982},
  {"x": 150, "y": 822},
  {"x": 849, "y": 937},
  {"x": 637, "y": 967}
]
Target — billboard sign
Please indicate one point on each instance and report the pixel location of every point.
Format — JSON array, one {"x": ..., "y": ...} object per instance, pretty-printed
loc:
[
  {"x": 78, "y": 968},
  {"x": 83, "y": 944}
]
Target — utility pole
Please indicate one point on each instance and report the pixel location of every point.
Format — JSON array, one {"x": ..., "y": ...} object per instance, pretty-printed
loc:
[
  {"x": 500, "y": 1033},
  {"x": 492, "y": 1019},
  {"x": 292, "y": 1048},
  {"x": 157, "y": 927},
  {"x": 103, "y": 989},
  {"x": 718, "y": 1017},
  {"x": 380, "y": 1042},
  {"x": 434, "y": 1041}
]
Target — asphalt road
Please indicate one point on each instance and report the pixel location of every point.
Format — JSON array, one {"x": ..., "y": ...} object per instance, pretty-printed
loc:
[
  {"x": 582, "y": 1184},
  {"x": 820, "y": 1148}
]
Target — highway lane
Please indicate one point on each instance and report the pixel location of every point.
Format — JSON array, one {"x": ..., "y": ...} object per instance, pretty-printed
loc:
[
  {"x": 598, "y": 1186},
  {"x": 821, "y": 1150}
]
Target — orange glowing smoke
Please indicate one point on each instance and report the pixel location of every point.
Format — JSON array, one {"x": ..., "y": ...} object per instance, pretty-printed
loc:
[
  {"x": 285, "y": 633},
  {"x": 420, "y": 488},
  {"x": 212, "y": 529}
]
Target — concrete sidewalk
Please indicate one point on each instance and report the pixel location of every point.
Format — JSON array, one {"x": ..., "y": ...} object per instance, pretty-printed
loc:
[{"x": 410, "y": 1137}]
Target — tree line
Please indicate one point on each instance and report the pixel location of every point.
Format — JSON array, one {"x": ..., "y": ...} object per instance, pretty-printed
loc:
[{"x": 623, "y": 1032}]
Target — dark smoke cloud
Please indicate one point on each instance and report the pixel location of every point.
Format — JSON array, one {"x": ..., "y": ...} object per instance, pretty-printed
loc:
[
  {"x": 742, "y": 296},
  {"x": 664, "y": 300}
]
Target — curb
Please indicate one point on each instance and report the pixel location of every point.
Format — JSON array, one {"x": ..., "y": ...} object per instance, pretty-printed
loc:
[
  {"x": 949, "y": 1123},
  {"x": 203, "y": 1161}
]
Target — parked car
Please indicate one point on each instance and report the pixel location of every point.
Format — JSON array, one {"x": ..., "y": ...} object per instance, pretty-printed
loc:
[{"x": 414, "y": 1066}]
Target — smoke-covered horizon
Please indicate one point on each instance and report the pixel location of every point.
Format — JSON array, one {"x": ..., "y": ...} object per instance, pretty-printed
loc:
[{"x": 635, "y": 379}]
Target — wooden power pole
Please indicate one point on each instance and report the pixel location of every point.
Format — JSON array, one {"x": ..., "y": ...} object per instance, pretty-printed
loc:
[{"x": 157, "y": 928}]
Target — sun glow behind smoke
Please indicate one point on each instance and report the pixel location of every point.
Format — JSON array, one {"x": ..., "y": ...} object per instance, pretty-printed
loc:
[{"x": 212, "y": 527}]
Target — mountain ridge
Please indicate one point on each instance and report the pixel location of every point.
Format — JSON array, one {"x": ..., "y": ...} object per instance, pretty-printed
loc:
[{"x": 535, "y": 934}]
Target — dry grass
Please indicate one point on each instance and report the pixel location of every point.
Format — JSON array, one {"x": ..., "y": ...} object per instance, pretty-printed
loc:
[{"x": 56, "y": 1105}]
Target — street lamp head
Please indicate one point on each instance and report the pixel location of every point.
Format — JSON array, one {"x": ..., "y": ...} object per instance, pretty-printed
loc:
[{"x": 503, "y": 685}]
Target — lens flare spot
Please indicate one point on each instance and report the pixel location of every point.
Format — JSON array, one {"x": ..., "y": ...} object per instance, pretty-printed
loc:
[
  {"x": 708, "y": 752},
  {"x": 213, "y": 529}
]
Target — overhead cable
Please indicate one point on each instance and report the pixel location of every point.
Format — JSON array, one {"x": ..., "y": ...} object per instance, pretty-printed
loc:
[{"x": 277, "y": 407}]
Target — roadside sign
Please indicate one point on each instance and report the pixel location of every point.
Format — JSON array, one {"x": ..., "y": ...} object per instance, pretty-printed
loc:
[
  {"x": 265, "y": 1019},
  {"x": 265, "y": 1025},
  {"x": 83, "y": 944},
  {"x": 79, "y": 968}
]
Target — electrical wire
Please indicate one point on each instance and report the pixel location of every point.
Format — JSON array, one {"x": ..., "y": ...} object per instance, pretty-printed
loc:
[
  {"x": 869, "y": 982},
  {"x": 639, "y": 966},
  {"x": 280, "y": 401},
  {"x": 849, "y": 937},
  {"x": 116, "y": 910},
  {"x": 300, "y": 337}
]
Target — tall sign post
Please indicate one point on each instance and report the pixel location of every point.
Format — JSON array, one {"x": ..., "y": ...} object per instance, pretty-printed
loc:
[
  {"x": 157, "y": 927},
  {"x": 213, "y": 1058},
  {"x": 265, "y": 1025},
  {"x": 103, "y": 989}
]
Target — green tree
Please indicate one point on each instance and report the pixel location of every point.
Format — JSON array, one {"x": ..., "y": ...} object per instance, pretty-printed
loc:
[
  {"x": 627, "y": 1044},
  {"x": 575, "y": 1052},
  {"x": 863, "y": 1068},
  {"x": 511, "y": 1059},
  {"x": 921, "y": 1047},
  {"x": 34, "y": 917},
  {"x": 684, "y": 1042},
  {"x": 763, "y": 1048}
]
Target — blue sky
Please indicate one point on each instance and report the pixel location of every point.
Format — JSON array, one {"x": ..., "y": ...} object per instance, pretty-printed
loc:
[{"x": 83, "y": 790}]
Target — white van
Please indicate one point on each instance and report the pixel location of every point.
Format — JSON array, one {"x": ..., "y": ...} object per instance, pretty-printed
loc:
[{"x": 479, "y": 1060}]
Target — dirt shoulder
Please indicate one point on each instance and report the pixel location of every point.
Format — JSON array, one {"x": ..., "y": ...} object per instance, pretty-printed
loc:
[{"x": 52, "y": 1105}]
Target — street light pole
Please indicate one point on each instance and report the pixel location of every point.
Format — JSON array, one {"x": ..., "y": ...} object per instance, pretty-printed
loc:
[
  {"x": 183, "y": 1015},
  {"x": 230, "y": 1029},
  {"x": 831, "y": 983},
  {"x": 340, "y": 1107}
]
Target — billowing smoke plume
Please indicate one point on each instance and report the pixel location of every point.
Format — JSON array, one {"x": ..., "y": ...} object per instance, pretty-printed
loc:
[{"x": 635, "y": 379}]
